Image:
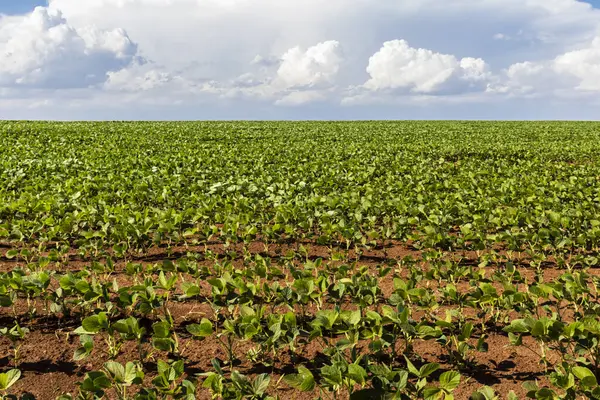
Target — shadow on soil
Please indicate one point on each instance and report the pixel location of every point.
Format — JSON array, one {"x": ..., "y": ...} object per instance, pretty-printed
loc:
[{"x": 45, "y": 366}]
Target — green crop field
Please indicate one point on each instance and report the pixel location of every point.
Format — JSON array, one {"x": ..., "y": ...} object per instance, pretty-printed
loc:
[{"x": 279, "y": 260}]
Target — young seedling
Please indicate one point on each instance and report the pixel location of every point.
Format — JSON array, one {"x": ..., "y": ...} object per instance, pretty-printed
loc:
[{"x": 16, "y": 335}]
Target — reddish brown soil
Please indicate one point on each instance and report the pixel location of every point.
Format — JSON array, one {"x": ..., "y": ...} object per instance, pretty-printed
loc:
[{"x": 46, "y": 354}]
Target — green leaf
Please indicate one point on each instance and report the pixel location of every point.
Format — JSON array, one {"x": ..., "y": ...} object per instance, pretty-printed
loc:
[
  {"x": 517, "y": 326},
  {"x": 213, "y": 382},
  {"x": 303, "y": 380},
  {"x": 357, "y": 373},
  {"x": 482, "y": 346},
  {"x": 562, "y": 381},
  {"x": 10, "y": 254},
  {"x": 449, "y": 380},
  {"x": 402, "y": 379},
  {"x": 192, "y": 290},
  {"x": 545, "y": 394},
  {"x": 202, "y": 330},
  {"x": 428, "y": 369},
  {"x": 95, "y": 381},
  {"x": 582, "y": 372},
  {"x": 87, "y": 345},
  {"x": 432, "y": 393},
  {"x": 326, "y": 318},
  {"x": 239, "y": 379},
  {"x": 530, "y": 386},
  {"x": 246, "y": 311},
  {"x": 9, "y": 378},
  {"x": 161, "y": 330},
  {"x": 352, "y": 318},
  {"x": 162, "y": 367},
  {"x": 5, "y": 301},
  {"x": 261, "y": 384},
  {"x": 250, "y": 331},
  {"x": 539, "y": 329},
  {"x": 515, "y": 340},
  {"x": 217, "y": 366},
  {"x": 133, "y": 373},
  {"x": 428, "y": 332},
  {"x": 94, "y": 323},
  {"x": 124, "y": 326},
  {"x": 332, "y": 375},
  {"x": 79, "y": 354},
  {"x": 587, "y": 377},
  {"x": 116, "y": 371},
  {"x": 485, "y": 393},
  {"x": 466, "y": 332},
  {"x": 164, "y": 344},
  {"x": 411, "y": 368},
  {"x": 178, "y": 368},
  {"x": 570, "y": 330}
]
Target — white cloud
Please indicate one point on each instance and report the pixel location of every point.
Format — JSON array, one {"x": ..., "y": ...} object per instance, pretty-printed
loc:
[
  {"x": 398, "y": 66},
  {"x": 41, "y": 49},
  {"x": 296, "y": 77},
  {"x": 138, "y": 78},
  {"x": 566, "y": 75},
  {"x": 525, "y": 79},
  {"x": 316, "y": 66},
  {"x": 188, "y": 51},
  {"x": 583, "y": 64}
]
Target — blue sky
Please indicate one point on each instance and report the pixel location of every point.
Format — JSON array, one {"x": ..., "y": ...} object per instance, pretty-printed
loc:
[
  {"x": 19, "y": 6},
  {"x": 299, "y": 59}
]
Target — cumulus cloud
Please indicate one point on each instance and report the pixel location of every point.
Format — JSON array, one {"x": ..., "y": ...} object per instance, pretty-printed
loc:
[
  {"x": 42, "y": 50},
  {"x": 526, "y": 79},
  {"x": 576, "y": 71},
  {"x": 138, "y": 77},
  {"x": 406, "y": 51},
  {"x": 317, "y": 65},
  {"x": 398, "y": 66},
  {"x": 296, "y": 77},
  {"x": 582, "y": 64}
]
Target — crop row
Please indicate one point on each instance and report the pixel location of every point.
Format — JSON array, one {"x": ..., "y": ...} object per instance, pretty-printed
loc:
[
  {"x": 266, "y": 260},
  {"x": 341, "y": 307},
  {"x": 117, "y": 187}
]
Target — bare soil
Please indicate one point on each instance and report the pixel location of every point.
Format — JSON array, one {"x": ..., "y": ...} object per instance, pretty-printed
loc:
[{"x": 46, "y": 355}]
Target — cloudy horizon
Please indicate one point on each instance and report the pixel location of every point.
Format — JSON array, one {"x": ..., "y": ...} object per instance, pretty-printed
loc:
[{"x": 263, "y": 59}]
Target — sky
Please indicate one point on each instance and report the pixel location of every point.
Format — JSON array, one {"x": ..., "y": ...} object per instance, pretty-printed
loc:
[{"x": 299, "y": 59}]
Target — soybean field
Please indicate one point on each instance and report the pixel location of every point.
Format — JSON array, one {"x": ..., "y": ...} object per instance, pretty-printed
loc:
[{"x": 299, "y": 260}]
